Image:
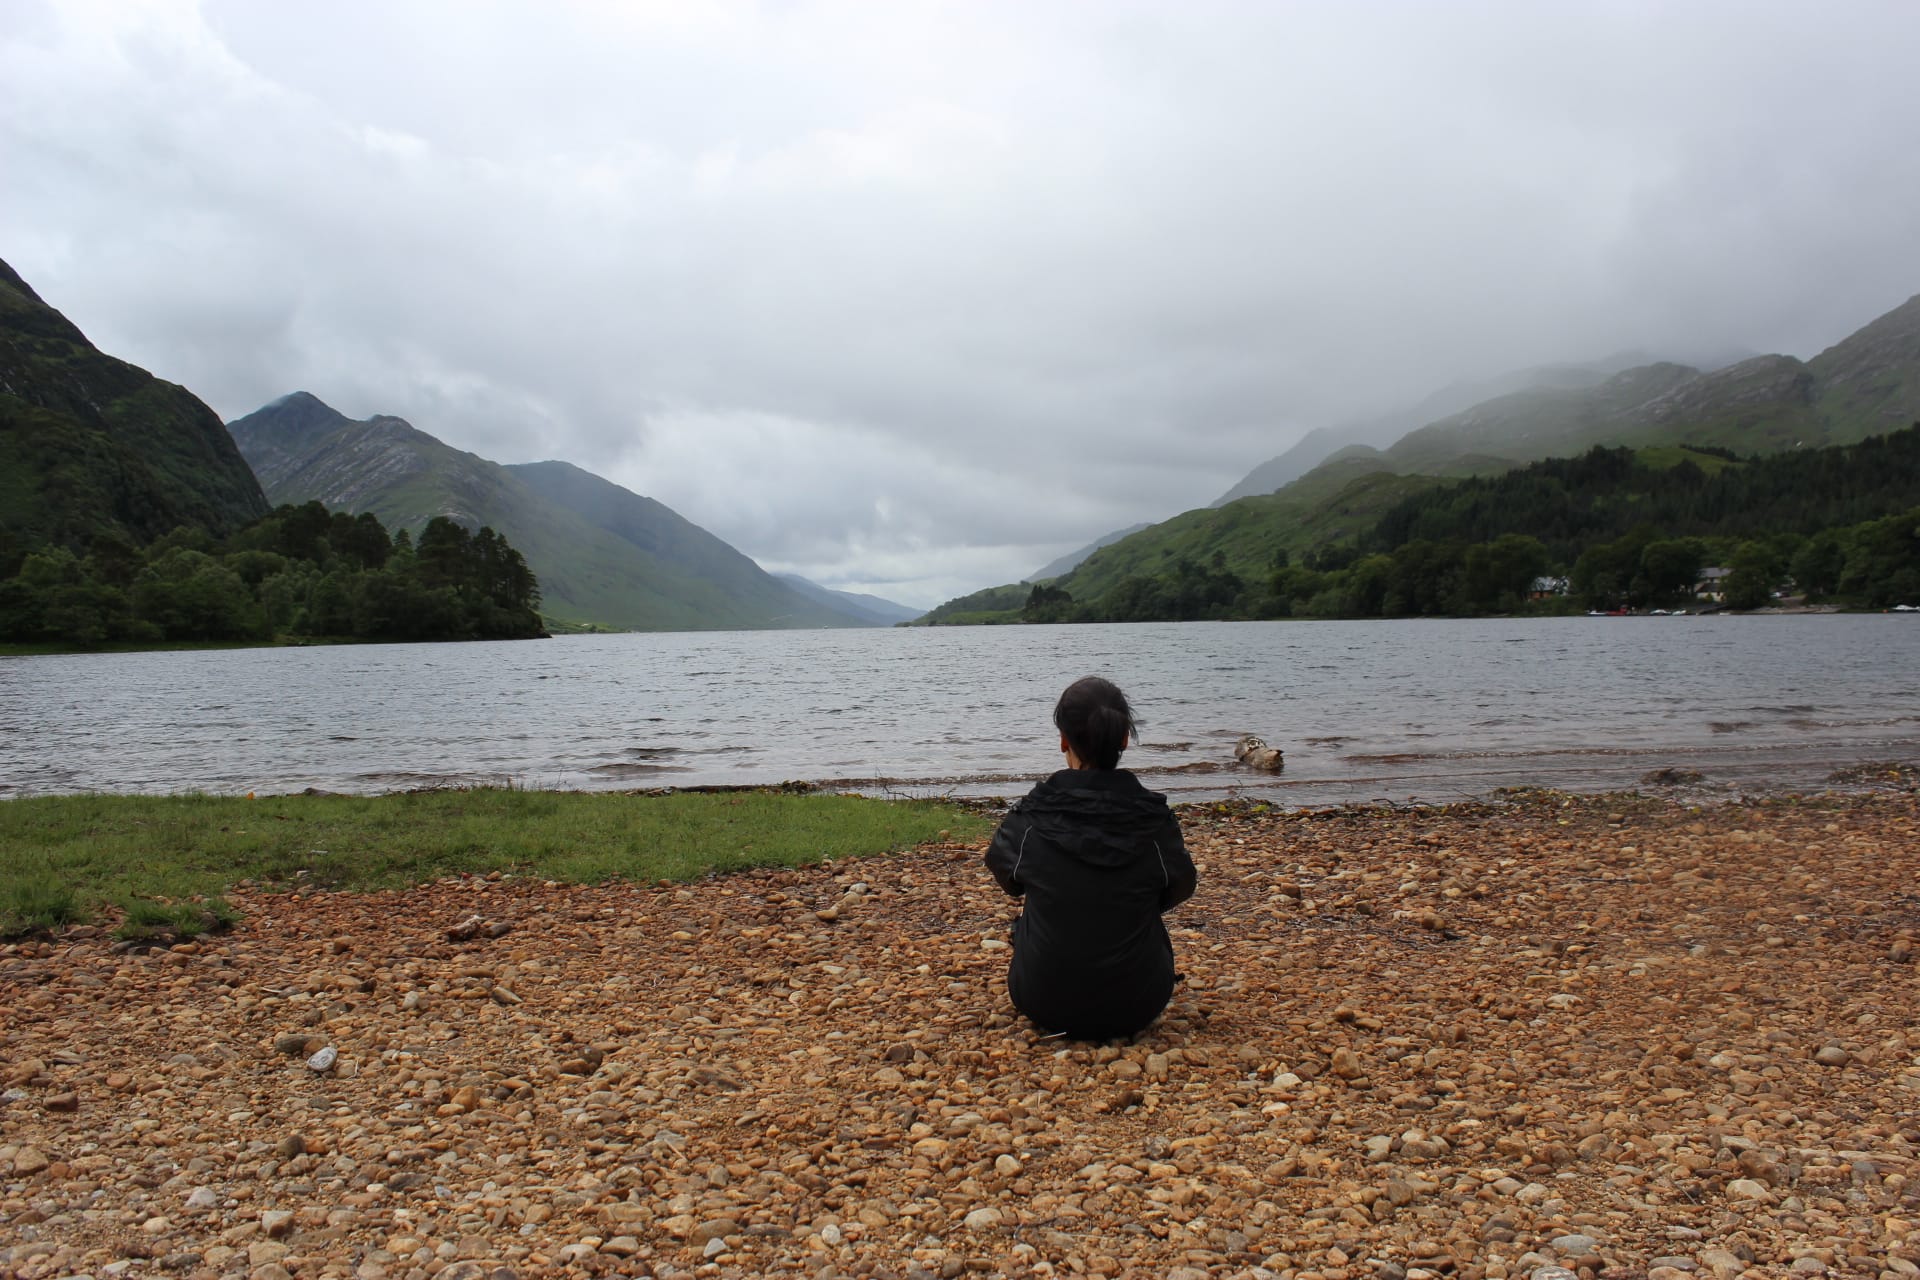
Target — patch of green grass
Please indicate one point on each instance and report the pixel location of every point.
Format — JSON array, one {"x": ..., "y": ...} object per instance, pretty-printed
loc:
[
  {"x": 187, "y": 850},
  {"x": 150, "y": 920},
  {"x": 1664, "y": 457},
  {"x": 36, "y": 901}
]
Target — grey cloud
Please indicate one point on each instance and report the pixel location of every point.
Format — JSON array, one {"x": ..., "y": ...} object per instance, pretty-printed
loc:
[{"x": 985, "y": 281}]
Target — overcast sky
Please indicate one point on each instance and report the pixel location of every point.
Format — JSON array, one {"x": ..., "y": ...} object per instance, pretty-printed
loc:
[{"x": 912, "y": 298}]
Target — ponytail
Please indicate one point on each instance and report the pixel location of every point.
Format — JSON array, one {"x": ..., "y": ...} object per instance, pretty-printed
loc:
[{"x": 1096, "y": 721}]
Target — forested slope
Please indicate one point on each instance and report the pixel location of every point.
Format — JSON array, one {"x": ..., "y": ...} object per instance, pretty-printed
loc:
[{"x": 93, "y": 446}]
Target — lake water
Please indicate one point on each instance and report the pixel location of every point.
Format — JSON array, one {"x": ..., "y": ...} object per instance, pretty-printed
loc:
[{"x": 1432, "y": 711}]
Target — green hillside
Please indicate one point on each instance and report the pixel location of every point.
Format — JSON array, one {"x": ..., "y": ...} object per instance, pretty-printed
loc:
[
  {"x": 984, "y": 607},
  {"x": 1627, "y": 529},
  {"x": 1534, "y": 424},
  {"x": 1870, "y": 382},
  {"x": 1335, "y": 502},
  {"x": 91, "y": 445},
  {"x": 1866, "y": 385},
  {"x": 604, "y": 556}
]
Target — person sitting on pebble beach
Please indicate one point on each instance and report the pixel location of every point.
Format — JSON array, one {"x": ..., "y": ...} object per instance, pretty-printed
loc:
[{"x": 1098, "y": 858}]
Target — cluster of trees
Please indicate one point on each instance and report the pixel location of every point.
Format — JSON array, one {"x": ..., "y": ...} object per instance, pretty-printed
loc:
[
  {"x": 1874, "y": 564},
  {"x": 300, "y": 572},
  {"x": 1604, "y": 495},
  {"x": 1187, "y": 591}
]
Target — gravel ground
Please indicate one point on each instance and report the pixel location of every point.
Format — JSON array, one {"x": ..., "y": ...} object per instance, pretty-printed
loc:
[{"x": 1551, "y": 1037}]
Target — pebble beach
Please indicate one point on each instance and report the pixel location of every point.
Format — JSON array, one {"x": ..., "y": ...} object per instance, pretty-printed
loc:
[{"x": 1549, "y": 1036}]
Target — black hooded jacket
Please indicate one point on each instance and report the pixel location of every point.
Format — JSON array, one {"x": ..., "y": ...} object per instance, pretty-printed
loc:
[{"x": 1098, "y": 857}]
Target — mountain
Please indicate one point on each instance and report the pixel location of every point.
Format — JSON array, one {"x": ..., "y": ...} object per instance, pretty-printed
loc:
[
  {"x": 1281, "y": 470},
  {"x": 1865, "y": 385},
  {"x": 987, "y": 605},
  {"x": 1870, "y": 381},
  {"x": 1334, "y": 502},
  {"x": 881, "y": 611},
  {"x": 1322, "y": 443},
  {"x": 605, "y": 556},
  {"x": 90, "y": 444},
  {"x": 1071, "y": 561},
  {"x": 1537, "y": 423}
]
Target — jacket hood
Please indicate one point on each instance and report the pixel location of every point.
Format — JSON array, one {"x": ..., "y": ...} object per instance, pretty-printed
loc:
[{"x": 1099, "y": 816}]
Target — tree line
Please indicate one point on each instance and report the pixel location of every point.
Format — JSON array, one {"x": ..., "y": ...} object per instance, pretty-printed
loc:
[
  {"x": 300, "y": 572},
  {"x": 1602, "y": 531},
  {"x": 1605, "y": 494}
]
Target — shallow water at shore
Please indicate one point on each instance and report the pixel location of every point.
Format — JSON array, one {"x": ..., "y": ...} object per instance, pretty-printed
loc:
[{"x": 1431, "y": 711}]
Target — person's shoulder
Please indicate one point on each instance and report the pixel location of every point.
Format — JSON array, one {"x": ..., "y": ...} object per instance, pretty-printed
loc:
[
  {"x": 1036, "y": 796},
  {"x": 1141, "y": 791}
]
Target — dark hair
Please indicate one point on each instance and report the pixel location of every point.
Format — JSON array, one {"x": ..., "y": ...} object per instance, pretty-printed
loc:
[{"x": 1097, "y": 722}]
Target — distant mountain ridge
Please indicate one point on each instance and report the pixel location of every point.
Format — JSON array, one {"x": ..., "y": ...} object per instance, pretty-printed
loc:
[
  {"x": 92, "y": 445},
  {"x": 604, "y": 555},
  {"x": 1866, "y": 384},
  {"x": 883, "y": 612},
  {"x": 1869, "y": 382},
  {"x": 1378, "y": 432},
  {"x": 1073, "y": 559}
]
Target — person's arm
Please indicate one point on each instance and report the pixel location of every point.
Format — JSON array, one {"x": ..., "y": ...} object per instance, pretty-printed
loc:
[
  {"x": 1006, "y": 850},
  {"x": 1181, "y": 876}
]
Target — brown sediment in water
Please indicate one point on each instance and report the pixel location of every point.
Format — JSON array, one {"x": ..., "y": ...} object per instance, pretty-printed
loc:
[{"x": 1615, "y": 1033}]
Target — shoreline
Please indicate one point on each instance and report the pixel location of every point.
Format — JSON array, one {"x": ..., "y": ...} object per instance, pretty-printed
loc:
[
  {"x": 12, "y": 649},
  {"x": 1614, "y": 1034},
  {"x": 1702, "y": 773}
]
